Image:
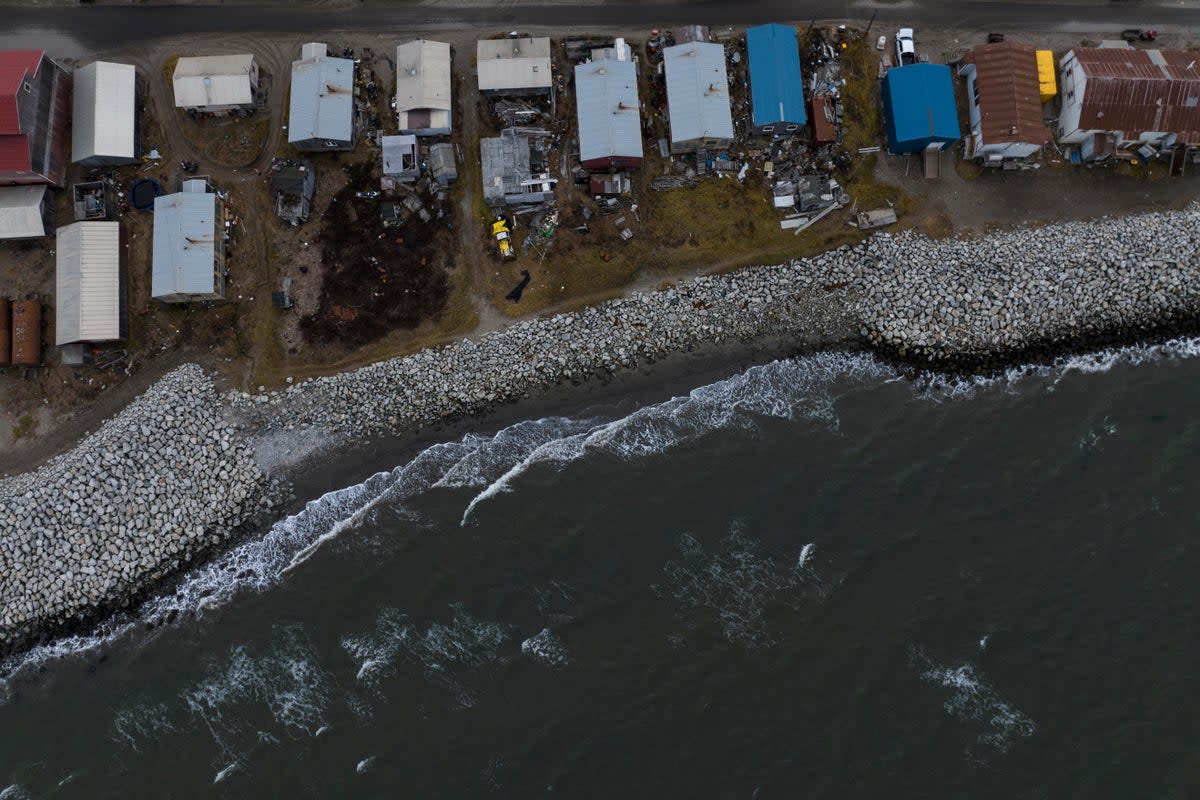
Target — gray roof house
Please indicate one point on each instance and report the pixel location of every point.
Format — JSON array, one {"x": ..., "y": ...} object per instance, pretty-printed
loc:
[
  {"x": 321, "y": 116},
  {"x": 189, "y": 245},
  {"x": 514, "y": 66},
  {"x": 104, "y": 115},
  {"x": 442, "y": 164},
  {"x": 423, "y": 88},
  {"x": 514, "y": 168},
  {"x": 400, "y": 159},
  {"x": 609, "y": 114},
  {"x": 698, "y": 97},
  {"x": 293, "y": 185}
]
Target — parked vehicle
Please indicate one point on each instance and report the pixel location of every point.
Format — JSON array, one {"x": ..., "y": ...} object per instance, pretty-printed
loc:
[
  {"x": 881, "y": 44},
  {"x": 906, "y": 49},
  {"x": 1139, "y": 35},
  {"x": 369, "y": 194}
]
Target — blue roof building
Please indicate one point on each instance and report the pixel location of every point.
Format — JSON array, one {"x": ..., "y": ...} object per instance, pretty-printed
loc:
[
  {"x": 776, "y": 86},
  {"x": 918, "y": 107}
]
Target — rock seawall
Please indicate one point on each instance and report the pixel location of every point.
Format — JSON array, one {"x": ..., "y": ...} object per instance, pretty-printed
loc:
[
  {"x": 152, "y": 489},
  {"x": 963, "y": 303},
  {"x": 169, "y": 477}
]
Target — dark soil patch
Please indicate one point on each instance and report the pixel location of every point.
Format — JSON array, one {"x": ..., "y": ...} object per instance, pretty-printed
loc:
[{"x": 380, "y": 278}]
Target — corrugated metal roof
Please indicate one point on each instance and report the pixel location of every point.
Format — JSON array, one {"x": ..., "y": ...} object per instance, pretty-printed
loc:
[
  {"x": 322, "y": 104},
  {"x": 15, "y": 65},
  {"x": 88, "y": 283},
  {"x": 104, "y": 111},
  {"x": 776, "y": 85},
  {"x": 185, "y": 231},
  {"x": 697, "y": 91},
  {"x": 213, "y": 81},
  {"x": 918, "y": 104},
  {"x": 510, "y": 64},
  {"x": 14, "y": 154},
  {"x": 21, "y": 212},
  {"x": 1010, "y": 104},
  {"x": 423, "y": 81},
  {"x": 606, "y": 102},
  {"x": 1137, "y": 91}
]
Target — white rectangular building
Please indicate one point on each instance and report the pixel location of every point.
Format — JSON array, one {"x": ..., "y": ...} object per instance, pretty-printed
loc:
[
  {"x": 90, "y": 303},
  {"x": 104, "y": 115},
  {"x": 514, "y": 66},
  {"x": 216, "y": 84},
  {"x": 423, "y": 88},
  {"x": 698, "y": 97},
  {"x": 189, "y": 246},
  {"x": 321, "y": 113},
  {"x": 25, "y": 212}
]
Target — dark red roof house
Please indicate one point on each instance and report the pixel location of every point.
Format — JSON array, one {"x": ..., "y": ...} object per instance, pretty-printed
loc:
[{"x": 35, "y": 119}]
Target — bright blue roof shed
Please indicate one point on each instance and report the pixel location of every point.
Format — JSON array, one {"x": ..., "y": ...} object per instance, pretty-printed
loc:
[
  {"x": 918, "y": 107},
  {"x": 776, "y": 88}
]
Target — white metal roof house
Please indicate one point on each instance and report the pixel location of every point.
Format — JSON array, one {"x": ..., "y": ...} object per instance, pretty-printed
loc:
[
  {"x": 321, "y": 115},
  {"x": 25, "y": 212},
  {"x": 189, "y": 245},
  {"x": 104, "y": 115},
  {"x": 90, "y": 300},
  {"x": 423, "y": 88},
  {"x": 609, "y": 114},
  {"x": 514, "y": 66},
  {"x": 698, "y": 97},
  {"x": 216, "y": 84}
]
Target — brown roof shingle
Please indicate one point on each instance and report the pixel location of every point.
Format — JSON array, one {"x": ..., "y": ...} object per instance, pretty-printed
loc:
[
  {"x": 1010, "y": 102},
  {"x": 1141, "y": 90}
]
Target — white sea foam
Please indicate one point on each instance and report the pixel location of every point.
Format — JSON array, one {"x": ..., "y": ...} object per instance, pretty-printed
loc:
[
  {"x": 794, "y": 389},
  {"x": 1096, "y": 434},
  {"x": 285, "y": 679},
  {"x": 547, "y": 649},
  {"x": 141, "y": 724},
  {"x": 972, "y": 699},
  {"x": 440, "y": 652},
  {"x": 225, "y": 772},
  {"x": 14, "y": 792},
  {"x": 365, "y": 765},
  {"x": 737, "y": 584}
]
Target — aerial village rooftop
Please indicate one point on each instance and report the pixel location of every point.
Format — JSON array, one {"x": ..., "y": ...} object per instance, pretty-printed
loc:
[{"x": 282, "y": 217}]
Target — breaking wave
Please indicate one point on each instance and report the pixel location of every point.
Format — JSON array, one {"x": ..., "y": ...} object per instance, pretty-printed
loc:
[
  {"x": 972, "y": 699},
  {"x": 802, "y": 388}
]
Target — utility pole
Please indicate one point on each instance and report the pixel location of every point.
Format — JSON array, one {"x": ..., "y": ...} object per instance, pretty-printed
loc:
[{"x": 867, "y": 32}]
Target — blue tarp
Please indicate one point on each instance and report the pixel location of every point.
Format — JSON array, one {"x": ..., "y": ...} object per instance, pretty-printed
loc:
[
  {"x": 776, "y": 87},
  {"x": 918, "y": 107}
]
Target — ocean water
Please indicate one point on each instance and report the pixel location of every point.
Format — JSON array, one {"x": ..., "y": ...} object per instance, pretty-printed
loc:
[{"x": 817, "y": 578}]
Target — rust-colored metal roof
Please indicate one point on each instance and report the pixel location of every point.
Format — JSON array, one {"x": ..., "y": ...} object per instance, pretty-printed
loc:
[
  {"x": 14, "y": 154},
  {"x": 824, "y": 124},
  {"x": 1135, "y": 91},
  {"x": 1010, "y": 103},
  {"x": 14, "y": 66}
]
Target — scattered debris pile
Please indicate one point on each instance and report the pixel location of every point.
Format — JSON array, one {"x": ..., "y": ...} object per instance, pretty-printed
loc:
[{"x": 379, "y": 276}]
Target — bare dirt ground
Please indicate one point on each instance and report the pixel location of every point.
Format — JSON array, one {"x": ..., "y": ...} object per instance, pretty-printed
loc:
[{"x": 677, "y": 234}]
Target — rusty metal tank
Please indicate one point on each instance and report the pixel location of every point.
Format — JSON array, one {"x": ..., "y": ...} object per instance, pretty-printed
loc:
[
  {"x": 26, "y": 333},
  {"x": 5, "y": 334}
]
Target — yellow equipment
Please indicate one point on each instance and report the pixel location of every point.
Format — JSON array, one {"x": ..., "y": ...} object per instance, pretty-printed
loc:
[
  {"x": 1047, "y": 84},
  {"x": 503, "y": 237}
]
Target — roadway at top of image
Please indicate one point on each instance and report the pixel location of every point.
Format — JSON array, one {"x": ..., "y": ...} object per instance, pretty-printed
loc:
[{"x": 103, "y": 27}]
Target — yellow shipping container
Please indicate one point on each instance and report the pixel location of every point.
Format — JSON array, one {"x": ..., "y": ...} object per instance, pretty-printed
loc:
[{"x": 1047, "y": 84}]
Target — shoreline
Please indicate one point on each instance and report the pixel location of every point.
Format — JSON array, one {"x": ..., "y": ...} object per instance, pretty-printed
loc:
[{"x": 174, "y": 481}]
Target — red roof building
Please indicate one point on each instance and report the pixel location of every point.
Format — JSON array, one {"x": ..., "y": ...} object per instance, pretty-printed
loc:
[
  {"x": 1134, "y": 96},
  {"x": 35, "y": 115}
]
